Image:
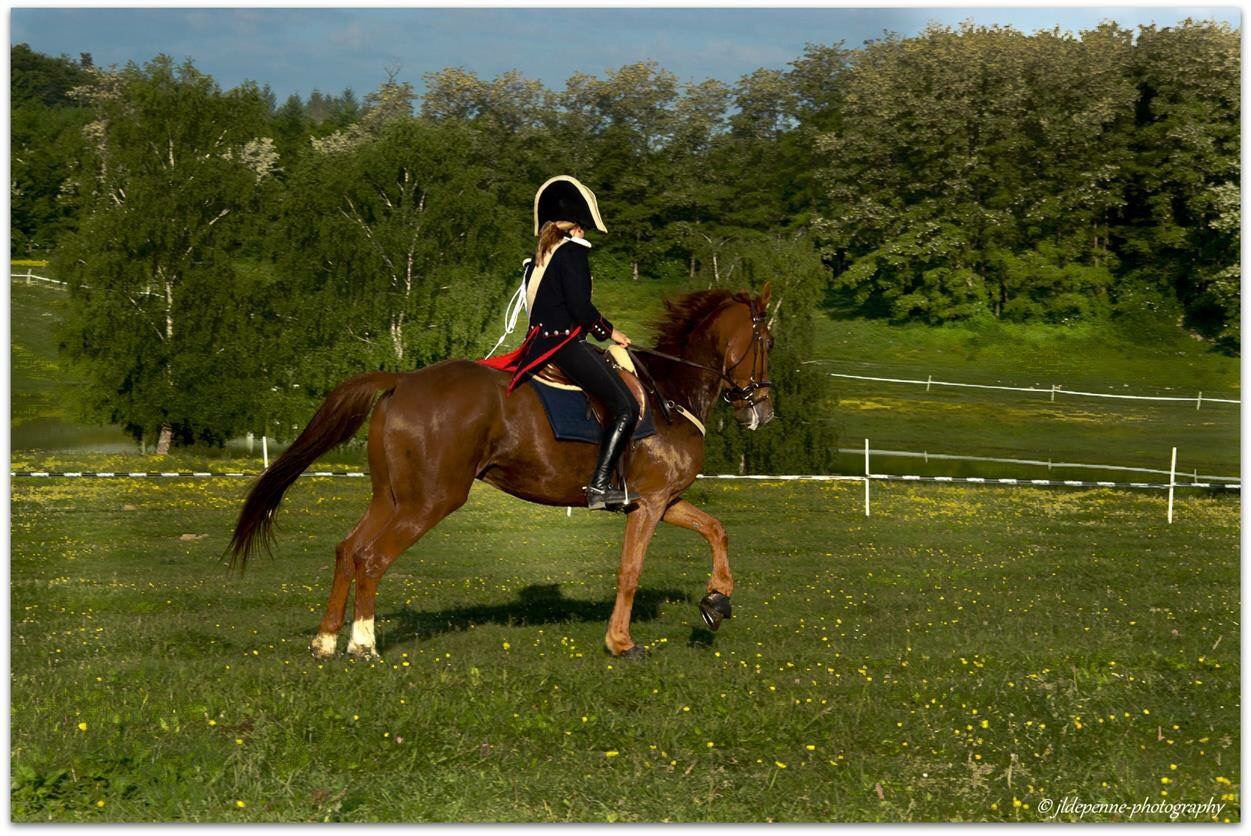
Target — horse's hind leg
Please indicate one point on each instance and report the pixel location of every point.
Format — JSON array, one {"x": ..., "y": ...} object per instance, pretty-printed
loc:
[
  {"x": 405, "y": 527},
  {"x": 715, "y": 606},
  {"x": 379, "y": 513}
]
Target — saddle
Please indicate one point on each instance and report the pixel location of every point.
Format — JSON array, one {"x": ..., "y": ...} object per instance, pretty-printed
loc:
[{"x": 618, "y": 359}]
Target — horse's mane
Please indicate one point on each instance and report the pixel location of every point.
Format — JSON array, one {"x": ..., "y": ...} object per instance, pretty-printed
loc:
[{"x": 682, "y": 315}]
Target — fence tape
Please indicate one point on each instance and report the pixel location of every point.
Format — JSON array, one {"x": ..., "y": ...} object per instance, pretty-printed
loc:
[{"x": 816, "y": 477}]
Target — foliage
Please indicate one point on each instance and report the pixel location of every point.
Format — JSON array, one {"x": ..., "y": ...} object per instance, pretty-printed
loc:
[
  {"x": 976, "y": 169},
  {"x": 159, "y": 317},
  {"x": 45, "y": 134},
  {"x": 38, "y": 79},
  {"x": 391, "y": 247},
  {"x": 1183, "y": 224}
]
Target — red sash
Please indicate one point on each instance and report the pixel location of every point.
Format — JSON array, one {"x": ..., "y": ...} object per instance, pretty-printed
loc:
[{"x": 512, "y": 361}]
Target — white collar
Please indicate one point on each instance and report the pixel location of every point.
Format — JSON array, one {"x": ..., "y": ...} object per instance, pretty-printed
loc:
[{"x": 575, "y": 239}]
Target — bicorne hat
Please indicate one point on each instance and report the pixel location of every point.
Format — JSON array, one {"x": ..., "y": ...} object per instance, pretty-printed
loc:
[{"x": 563, "y": 198}]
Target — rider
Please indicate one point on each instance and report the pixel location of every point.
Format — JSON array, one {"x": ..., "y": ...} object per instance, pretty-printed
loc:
[{"x": 558, "y": 297}]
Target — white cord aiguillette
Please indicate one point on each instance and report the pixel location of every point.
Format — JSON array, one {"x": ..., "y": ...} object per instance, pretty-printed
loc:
[{"x": 512, "y": 313}]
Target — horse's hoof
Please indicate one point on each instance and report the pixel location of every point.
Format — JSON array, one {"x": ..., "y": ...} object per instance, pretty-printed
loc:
[
  {"x": 714, "y": 608},
  {"x": 323, "y": 646},
  {"x": 363, "y": 654},
  {"x": 634, "y": 653}
]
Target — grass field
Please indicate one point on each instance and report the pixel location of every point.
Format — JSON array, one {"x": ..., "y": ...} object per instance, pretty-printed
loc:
[{"x": 963, "y": 654}]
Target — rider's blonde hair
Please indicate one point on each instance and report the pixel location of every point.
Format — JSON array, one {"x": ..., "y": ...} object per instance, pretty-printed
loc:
[{"x": 549, "y": 237}]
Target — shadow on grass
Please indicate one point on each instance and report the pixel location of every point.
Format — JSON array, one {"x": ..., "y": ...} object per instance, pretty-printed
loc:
[{"x": 536, "y": 604}]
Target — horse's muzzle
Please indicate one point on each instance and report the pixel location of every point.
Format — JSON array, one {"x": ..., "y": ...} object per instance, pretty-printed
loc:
[{"x": 754, "y": 416}]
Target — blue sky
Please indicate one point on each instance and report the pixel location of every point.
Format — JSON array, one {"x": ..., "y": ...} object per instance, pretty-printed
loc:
[{"x": 297, "y": 50}]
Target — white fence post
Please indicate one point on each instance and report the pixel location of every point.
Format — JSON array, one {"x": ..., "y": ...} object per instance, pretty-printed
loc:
[
  {"x": 265, "y": 450},
  {"x": 866, "y": 477},
  {"x": 1198, "y": 402},
  {"x": 1172, "y": 479}
]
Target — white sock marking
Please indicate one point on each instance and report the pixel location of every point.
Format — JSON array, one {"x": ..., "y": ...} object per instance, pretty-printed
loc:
[{"x": 362, "y": 634}]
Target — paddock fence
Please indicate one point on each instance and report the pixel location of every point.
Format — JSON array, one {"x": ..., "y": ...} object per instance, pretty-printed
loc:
[
  {"x": 30, "y": 277},
  {"x": 1056, "y": 389}
]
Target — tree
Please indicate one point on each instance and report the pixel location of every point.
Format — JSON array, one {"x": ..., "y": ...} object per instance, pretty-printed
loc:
[
  {"x": 158, "y": 312},
  {"x": 394, "y": 245},
  {"x": 45, "y": 146},
  {"x": 1181, "y": 231},
  {"x": 41, "y": 79},
  {"x": 957, "y": 146},
  {"x": 630, "y": 114}
]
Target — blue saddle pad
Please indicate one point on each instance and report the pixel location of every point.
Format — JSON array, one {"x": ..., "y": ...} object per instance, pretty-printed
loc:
[{"x": 567, "y": 413}]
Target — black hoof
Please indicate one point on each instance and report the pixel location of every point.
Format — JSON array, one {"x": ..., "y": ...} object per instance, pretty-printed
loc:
[
  {"x": 714, "y": 608},
  {"x": 636, "y": 652}
]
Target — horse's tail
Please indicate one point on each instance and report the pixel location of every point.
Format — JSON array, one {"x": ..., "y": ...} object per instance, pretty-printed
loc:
[{"x": 338, "y": 419}]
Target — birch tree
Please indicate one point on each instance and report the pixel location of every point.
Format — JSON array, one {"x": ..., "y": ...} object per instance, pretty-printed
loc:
[
  {"x": 173, "y": 166},
  {"x": 395, "y": 254}
]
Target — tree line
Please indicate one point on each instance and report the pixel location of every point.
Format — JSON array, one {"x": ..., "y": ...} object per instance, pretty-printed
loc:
[{"x": 232, "y": 258}]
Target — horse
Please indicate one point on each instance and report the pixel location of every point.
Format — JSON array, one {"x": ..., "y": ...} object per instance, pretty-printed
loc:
[{"x": 435, "y": 430}]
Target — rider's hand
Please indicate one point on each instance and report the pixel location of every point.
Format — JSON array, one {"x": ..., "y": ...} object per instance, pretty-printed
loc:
[{"x": 620, "y": 338}]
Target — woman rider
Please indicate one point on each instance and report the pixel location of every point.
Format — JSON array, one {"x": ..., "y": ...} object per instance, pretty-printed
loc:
[{"x": 558, "y": 297}]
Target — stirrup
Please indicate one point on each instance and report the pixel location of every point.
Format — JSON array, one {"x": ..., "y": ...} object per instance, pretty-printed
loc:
[{"x": 606, "y": 499}]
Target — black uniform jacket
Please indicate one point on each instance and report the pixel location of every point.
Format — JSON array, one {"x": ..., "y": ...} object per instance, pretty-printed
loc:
[{"x": 563, "y": 303}]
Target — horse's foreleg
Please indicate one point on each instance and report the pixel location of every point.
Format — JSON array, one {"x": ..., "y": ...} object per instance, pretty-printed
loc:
[
  {"x": 640, "y": 526},
  {"x": 685, "y": 515},
  {"x": 715, "y": 606}
]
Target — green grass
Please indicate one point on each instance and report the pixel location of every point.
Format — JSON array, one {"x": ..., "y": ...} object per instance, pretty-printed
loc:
[
  {"x": 42, "y": 414},
  {"x": 960, "y": 649}
]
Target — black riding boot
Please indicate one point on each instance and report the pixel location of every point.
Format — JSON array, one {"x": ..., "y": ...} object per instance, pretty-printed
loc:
[{"x": 600, "y": 493}]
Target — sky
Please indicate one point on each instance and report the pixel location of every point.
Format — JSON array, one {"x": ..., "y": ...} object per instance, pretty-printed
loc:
[{"x": 299, "y": 50}]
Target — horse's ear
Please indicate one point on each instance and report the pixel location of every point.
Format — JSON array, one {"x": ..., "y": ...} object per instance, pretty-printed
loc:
[{"x": 764, "y": 295}]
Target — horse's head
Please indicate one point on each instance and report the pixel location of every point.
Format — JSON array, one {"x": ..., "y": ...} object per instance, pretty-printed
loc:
[{"x": 742, "y": 330}]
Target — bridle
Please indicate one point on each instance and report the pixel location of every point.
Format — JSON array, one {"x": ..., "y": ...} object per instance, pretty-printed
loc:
[
  {"x": 747, "y": 394},
  {"x": 755, "y": 391}
]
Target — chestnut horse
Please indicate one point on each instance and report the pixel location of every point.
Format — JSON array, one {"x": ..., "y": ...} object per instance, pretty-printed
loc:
[{"x": 435, "y": 430}]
